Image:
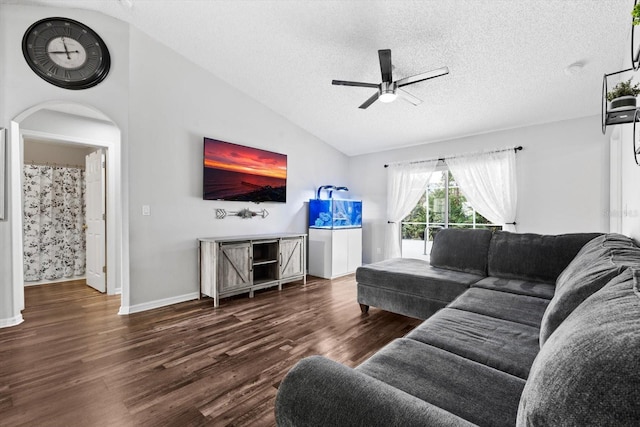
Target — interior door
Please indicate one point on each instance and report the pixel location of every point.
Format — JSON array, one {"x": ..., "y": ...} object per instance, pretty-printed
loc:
[{"x": 95, "y": 220}]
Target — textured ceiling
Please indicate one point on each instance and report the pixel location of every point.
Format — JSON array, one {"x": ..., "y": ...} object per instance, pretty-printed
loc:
[{"x": 506, "y": 59}]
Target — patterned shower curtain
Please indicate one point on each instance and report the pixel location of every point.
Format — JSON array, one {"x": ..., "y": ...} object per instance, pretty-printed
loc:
[{"x": 54, "y": 213}]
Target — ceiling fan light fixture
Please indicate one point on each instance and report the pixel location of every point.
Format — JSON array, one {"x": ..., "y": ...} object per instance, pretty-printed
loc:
[
  {"x": 387, "y": 92},
  {"x": 388, "y": 96},
  {"x": 388, "y": 88}
]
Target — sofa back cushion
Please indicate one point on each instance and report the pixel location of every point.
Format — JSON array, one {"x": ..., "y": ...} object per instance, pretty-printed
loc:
[
  {"x": 588, "y": 371},
  {"x": 599, "y": 261},
  {"x": 461, "y": 250},
  {"x": 534, "y": 257}
]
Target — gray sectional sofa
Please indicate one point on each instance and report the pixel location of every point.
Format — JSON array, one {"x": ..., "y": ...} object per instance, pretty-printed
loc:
[{"x": 548, "y": 334}]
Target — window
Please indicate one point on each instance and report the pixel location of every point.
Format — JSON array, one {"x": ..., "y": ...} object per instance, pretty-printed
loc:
[{"x": 442, "y": 206}]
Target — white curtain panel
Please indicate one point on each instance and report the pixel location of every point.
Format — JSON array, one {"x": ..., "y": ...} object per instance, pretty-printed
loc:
[
  {"x": 54, "y": 213},
  {"x": 488, "y": 181},
  {"x": 406, "y": 182}
]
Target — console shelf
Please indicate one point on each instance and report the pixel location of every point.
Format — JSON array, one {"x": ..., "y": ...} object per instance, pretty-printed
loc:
[{"x": 243, "y": 264}]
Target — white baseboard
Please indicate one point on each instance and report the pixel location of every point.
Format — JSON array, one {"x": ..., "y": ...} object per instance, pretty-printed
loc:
[
  {"x": 157, "y": 303},
  {"x": 12, "y": 321}
]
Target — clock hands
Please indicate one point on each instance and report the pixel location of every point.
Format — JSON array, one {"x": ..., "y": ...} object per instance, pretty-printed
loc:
[{"x": 65, "y": 48}]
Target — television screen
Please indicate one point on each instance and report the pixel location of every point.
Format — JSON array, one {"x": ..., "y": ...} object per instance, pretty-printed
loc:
[{"x": 236, "y": 172}]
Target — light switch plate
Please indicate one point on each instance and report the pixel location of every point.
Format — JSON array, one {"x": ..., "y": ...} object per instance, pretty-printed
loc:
[{"x": 146, "y": 210}]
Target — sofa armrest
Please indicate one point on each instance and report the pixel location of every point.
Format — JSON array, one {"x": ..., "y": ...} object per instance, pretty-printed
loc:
[{"x": 320, "y": 392}]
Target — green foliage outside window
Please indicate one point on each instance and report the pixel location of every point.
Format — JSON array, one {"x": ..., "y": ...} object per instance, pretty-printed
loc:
[{"x": 460, "y": 211}]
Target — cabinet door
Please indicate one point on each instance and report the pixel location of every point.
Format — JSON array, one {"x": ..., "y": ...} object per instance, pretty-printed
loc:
[
  {"x": 340, "y": 252},
  {"x": 291, "y": 257},
  {"x": 234, "y": 266},
  {"x": 355, "y": 249}
]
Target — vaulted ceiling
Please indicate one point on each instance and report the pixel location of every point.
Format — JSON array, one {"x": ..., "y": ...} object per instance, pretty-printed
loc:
[{"x": 506, "y": 58}]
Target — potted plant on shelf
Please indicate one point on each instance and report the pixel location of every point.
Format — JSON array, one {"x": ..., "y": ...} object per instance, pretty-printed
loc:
[{"x": 623, "y": 96}]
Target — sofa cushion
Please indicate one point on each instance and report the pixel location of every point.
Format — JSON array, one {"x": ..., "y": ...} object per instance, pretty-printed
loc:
[
  {"x": 596, "y": 264},
  {"x": 502, "y": 305},
  {"x": 399, "y": 302},
  {"x": 320, "y": 392},
  {"x": 533, "y": 257},
  {"x": 470, "y": 390},
  {"x": 517, "y": 286},
  {"x": 416, "y": 277},
  {"x": 588, "y": 371},
  {"x": 507, "y": 346},
  {"x": 460, "y": 249}
]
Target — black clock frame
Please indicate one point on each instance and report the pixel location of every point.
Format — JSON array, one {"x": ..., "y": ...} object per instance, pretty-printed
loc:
[{"x": 98, "y": 75}]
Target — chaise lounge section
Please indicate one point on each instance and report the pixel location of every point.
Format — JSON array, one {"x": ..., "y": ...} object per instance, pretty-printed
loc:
[
  {"x": 526, "y": 264},
  {"x": 547, "y": 336}
]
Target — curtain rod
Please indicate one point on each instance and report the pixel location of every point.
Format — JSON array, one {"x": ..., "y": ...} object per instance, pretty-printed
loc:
[{"x": 442, "y": 159}]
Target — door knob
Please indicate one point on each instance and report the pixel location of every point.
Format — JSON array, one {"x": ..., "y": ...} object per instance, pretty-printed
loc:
[{"x": 84, "y": 227}]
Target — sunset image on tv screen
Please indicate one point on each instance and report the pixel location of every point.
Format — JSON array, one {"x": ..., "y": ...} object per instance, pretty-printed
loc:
[{"x": 237, "y": 172}]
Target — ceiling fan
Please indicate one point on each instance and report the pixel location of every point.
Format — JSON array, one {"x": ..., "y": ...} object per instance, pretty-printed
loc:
[{"x": 389, "y": 90}]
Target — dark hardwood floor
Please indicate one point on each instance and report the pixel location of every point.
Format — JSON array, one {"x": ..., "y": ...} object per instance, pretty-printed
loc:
[{"x": 75, "y": 362}]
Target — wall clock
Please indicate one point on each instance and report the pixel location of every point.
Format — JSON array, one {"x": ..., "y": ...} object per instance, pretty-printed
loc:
[{"x": 66, "y": 53}]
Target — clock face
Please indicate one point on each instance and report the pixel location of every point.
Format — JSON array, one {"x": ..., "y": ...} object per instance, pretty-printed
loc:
[{"x": 66, "y": 53}]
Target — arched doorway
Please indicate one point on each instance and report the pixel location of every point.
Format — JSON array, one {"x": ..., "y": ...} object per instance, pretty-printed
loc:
[{"x": 74, "y": 124}]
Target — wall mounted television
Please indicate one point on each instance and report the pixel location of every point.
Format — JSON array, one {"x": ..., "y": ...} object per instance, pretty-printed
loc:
[{"x": 239, "y": 173}]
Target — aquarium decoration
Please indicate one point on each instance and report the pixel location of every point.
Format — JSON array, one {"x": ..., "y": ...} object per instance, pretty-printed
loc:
[
  {"x": 337, "y": 189},
  {"x": 324, "y": 187}
]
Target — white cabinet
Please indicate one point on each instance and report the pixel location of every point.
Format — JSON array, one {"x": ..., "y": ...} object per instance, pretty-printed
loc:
[
  {"x": 235, "y": 265},
  {"x": 334, "y": 253}
]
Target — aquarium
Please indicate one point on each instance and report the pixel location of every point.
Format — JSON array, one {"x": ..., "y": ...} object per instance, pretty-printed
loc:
[{"x": 335, "y": 213}]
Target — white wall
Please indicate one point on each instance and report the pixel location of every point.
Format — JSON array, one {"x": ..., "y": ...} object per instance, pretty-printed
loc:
[
  {"x": 172, "y": 109},
  {"x": 45, "y": 124},
  {"x": 41, "y": 153},
  {"x": 563, "y": 178},
  {"x": 72, "y": 126}
]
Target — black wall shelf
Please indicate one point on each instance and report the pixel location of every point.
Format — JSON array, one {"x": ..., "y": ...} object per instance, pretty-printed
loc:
[
  {"x": 635, "y": 50},
  {"x": 614, "y": 117},
  {"x": 636, "y": 150},
  {"x": 625, "y": 115},
  {"x": 618, "y": 117}
]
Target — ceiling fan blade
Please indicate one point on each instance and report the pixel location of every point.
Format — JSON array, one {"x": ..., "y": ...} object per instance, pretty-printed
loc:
[
  {"x": 423, "y": 76},
  {"x": 347, "y": 83},
  {"x": 408, "y": 97},
  {"x": 385, "y": 65},
  {"x": 370, "y": 100}
]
